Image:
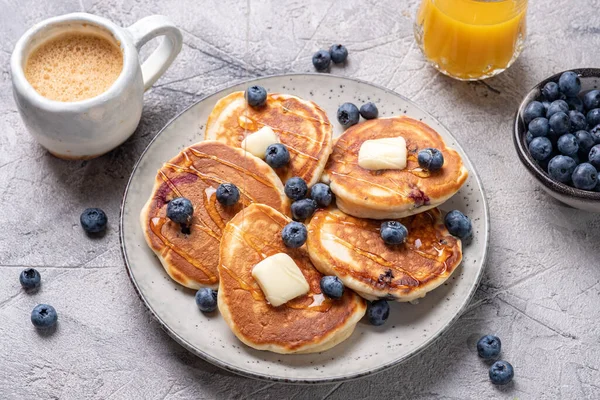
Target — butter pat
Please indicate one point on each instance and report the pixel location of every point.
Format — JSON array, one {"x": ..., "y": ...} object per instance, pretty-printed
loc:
[
  {"x": 257, "y": 142},
  {"x": 386, "y": 153},
  {"x": 280, "y": 279}
]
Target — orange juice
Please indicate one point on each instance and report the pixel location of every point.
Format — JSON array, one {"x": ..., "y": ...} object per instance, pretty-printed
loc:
[{"x": 471, "y": 39}]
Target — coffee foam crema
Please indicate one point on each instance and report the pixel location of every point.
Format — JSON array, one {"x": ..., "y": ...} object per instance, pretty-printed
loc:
[{"x": 74, "y": 66}]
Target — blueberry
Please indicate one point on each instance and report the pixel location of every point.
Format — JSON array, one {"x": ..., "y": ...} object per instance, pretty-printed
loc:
[
  {"x": 321, "y": 193},
  {"x": 43, "y": 316},
  {"x": 553, "y": 136},
  {"x": 540, "y": 148},
  {"x": 488, "y": 347},
  {"x": 560, "y": 123},
  {"x": 256, "y": 96},
  {"x": 568, "y": 144},
  {"x": 533, "y": 110},
  {"x": 430, "y": 159},
  {"x": 569, "y": 83},
  {"x": 338, "y": 53},
  {"x": 585, "y": 176},
  {"x": 561, "y": 168},
  {"x": 295, "y": 188},
  {"x": 528, "y": 138},
  {"x": 594, "y": 156},
  {"x": 277, "y": 155},
  {"x": 378, "y": 312},
  {"x": 30, "y": 279},
  {"x": 539, "y": 127},
  {"x": 303, "y": 209},
  {"x": 369, "y": 111},
  {"x": 595, "y": 132},
  {"x": 459, "y": 225},
  {"x": 180, "y": 210},
  {"x": 206, "y": 300},
  {"x": 597, "y": 187},
  {"x": 557, "y": 106},
  {"x": 550, "y": 91},
  {"x": 332, "y": 287},
  {"x": 586, "y": 142},
  {"x": 575, "y": 103},
  {"x": 228, "y": 194},
  {"x": 593, "y": 117},
  {"x": 578, "y": 121},
  {"x": 93, "y": 220},
  {"x": 321, "y": 60},
  {"x": 546, "y": 105},
  {"x": 501, "y": 373},
  {"x": 393, "y": 232},
  {"x": 348, "y": 114},
  {"x": 591, "y": 99},
  {"x": 294, "y": 234}
]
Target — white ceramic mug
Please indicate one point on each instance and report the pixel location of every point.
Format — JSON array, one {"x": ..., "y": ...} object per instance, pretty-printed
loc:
[{"x": 91, "y": 127}]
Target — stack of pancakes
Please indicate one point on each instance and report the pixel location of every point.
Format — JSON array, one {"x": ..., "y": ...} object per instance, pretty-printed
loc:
[{"x": 225, "y": 243}]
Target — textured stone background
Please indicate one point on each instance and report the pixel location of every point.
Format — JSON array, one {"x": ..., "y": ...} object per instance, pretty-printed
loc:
[{"x": 540, "y": 292}]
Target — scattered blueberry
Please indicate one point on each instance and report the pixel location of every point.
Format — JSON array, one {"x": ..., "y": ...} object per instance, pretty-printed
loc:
[
  {"x": 560, "y": 123},
  {"x": 30, "y": 278},
  {"x": 595, "y": 132},
  {"x": 294, "y": 234},
  {"x": 488, "y": 347},
  {"x": 303, "y": 209},
  {"x": 557, "y": 106},
  {"x": 206, "y": 300},
  {"x": 591, "y": 99},
  {"x": 93, "y": 220},
  {"x": 295, "y": 188},
  {"x": 348, "y": 114},
  {"x": 594, "y": 156},
  {"x": 539, "y": 127},
  {"x": 321, "y": 60},
  {"x": 575, "y": 103},
  {"x": 338, "y": 53},
  {"x": 586, "y": 142},
  {"x": 550, "y": 91},
  {"x": 568, "y": 144},
  {"x": 528, "y": 137},
  {"x": 593, "y": 117},
  {"x": 569, "y": 83},
  {"x": 393, "y": 232},
  {"x": 332, "y": 287},
  {"x": 533, "y": 110},
  {"x": 378, "y": 312},
  {"x": 277, "y": 155},
  {"x": 540, "y": 148},
  {"x": 43, "y": 316},
  {"x": 578, "y": 121},
  {"x": 459, "y": 225},
  {"x": 501, "y": 373},
  {"x": 321, "y": 193},
  {"x": 430, "y": 159},
  {"x": 369, "y": 111},
  {"x": 585, "y": 176},
  {"x": 561, "y": 168},
  {"x": 228, "y": 194},
  {"x": 180, "y": 210},
  {"x": 256, "y": 96}
]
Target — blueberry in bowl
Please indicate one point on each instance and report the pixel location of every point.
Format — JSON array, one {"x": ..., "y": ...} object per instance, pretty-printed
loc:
[{"x": 570, "y": 102}]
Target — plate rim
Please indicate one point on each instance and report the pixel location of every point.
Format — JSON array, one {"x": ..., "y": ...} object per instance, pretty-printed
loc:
[{"x": 217, "y": 362}]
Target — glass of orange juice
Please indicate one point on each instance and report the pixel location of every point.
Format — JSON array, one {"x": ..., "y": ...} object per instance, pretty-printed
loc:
[{"x": 471, "y": 39}]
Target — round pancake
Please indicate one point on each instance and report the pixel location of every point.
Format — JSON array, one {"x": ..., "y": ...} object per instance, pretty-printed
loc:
[
  {"x": 192, "y": 259},
  {"x": 301, "y": 125},
  {"x": 306, "y": 324},
  {"x": 352, "y": 249},
  {"x": 391, "y": 193}
]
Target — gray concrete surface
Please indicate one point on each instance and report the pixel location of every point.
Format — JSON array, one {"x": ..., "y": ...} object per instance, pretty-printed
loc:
[{"x": 540, "y": 293}]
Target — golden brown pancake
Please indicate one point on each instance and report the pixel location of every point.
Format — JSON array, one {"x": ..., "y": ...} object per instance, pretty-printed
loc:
[
  {"x": 301, "y": 125},
  {"x": 195, "y": 173},
  {"x": 306, "y": 324},
  {"x": 391, "y": 193},
  {"x": 352, "y": 249}
]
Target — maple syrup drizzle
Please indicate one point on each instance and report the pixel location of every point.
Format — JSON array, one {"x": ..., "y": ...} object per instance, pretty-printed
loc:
[
  {"x": 320, "y": 121},
  {"x": 368, "y": 182},
  {"x": 156, "y": 225},
  {"x": 298, "y": 152},
  {"x": 169, "y": 183},
  {"x": 256, "y": 292},
  {"x": 285, "y": 131},
  {"x": 210, "y": 205}
]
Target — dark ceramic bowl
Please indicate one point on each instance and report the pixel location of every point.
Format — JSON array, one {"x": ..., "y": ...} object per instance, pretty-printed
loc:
[{"x": 582, "y": 199}]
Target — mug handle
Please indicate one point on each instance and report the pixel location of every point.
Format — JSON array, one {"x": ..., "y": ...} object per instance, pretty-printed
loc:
[{"x": 148, "y": 28}]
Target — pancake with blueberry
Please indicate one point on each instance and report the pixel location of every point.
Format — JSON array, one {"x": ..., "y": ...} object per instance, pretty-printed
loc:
[
  {"x": 306, "y": 321},
  {"x": 194, "y": 196},
  {"x": 300, "y": 125},
  {"x": 392, "y": 168},
  {"x": 355, "y": 250}
]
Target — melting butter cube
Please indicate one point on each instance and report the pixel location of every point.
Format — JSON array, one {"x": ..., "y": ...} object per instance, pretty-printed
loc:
[
  {"x": 256, "y": 143},
  {"x": 386, "y": 153},
  {"x": 280, "y": 279}
]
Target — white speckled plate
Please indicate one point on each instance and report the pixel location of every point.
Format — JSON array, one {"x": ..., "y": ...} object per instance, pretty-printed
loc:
[{"x": 410, "y": 328}]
